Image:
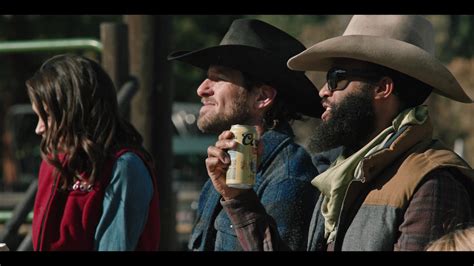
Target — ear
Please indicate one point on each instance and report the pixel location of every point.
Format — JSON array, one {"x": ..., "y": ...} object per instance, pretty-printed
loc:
[
  {"x": 384, "y": 88},
  {"x": 265, "y": 96}
]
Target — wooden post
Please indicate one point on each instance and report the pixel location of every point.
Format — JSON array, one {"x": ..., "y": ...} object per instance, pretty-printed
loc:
[
  {"x": 163, "y": 132},
  {"x": 151, "y": 108},
  {"x": 114, "y": 38}
]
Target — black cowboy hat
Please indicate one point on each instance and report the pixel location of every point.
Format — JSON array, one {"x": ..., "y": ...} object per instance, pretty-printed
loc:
[{"x": 262, "y": 51}]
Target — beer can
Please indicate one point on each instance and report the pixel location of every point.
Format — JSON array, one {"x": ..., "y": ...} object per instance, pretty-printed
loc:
[{"x": 243, "y": 160}]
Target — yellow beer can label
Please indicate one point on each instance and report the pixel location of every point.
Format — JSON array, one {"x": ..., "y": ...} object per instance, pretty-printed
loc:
[{"x": 243, "y": 160}]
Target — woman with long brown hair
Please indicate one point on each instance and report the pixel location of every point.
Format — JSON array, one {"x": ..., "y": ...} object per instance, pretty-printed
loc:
[{"x": 97, "y": 185}]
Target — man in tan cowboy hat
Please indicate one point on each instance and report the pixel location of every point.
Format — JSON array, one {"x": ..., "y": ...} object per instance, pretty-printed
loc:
[
  {"x": 248, "y": 82},
  {"x": 394, "y": 187}
]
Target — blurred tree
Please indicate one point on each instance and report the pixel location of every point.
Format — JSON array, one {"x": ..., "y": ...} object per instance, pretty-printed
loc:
[
  {"x": 454, "y": 36},
  {"x": 17, "y": 67},
  {"x": 461, "y": 38},
  {"x": 294, "y": 24},
  {"x": 453, "y": 120}
]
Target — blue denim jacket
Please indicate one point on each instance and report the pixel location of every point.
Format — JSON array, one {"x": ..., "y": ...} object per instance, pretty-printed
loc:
[{"x": 284, "y": 188}]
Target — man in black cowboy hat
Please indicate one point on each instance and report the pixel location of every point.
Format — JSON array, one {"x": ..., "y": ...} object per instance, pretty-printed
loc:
[
  {"x": 248, "y": 82},
  {"x": 394, "y": 187}
]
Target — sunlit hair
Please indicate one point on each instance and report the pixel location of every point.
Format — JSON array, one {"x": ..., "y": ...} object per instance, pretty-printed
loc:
[
  {"x": 80, "y": 100},
  {"x": 458, "y": 240}
]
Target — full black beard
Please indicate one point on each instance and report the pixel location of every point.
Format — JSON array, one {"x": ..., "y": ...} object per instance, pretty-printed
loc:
[{"x": 350, "y": 124}]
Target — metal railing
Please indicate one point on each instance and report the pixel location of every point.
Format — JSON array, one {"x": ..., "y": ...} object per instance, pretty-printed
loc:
[
  {"x": 50, "y": 45},
  {"x": 20, "y": 213}
]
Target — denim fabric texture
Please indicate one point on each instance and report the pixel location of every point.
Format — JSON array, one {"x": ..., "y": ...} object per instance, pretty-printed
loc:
[{"x": 283, "y": 187}]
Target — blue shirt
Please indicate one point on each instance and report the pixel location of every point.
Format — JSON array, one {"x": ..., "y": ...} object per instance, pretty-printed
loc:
[
  {"x": 125, "y": 206},
  {"x": 283, "y": 187}
]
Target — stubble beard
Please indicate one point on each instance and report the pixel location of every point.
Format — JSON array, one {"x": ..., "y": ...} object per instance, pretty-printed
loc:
[{"x": 238, "y": 113}]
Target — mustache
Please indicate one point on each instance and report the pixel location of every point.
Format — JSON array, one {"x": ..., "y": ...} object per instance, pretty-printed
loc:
[
  {"x": 205, "y": 101},
  {"x": 325, "y": 102}
]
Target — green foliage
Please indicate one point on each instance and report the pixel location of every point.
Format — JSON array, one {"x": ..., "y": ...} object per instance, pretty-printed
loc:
[
  {"x": 454, "y": 36},
  {"x": 17, "y": 67},
  {"x": 293, "y": 24},
  {"x": 461, "y": 38}
]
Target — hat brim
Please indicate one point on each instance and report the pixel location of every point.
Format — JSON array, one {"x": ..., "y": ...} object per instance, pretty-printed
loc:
[
  {"x": 400, "y": 56},
  {"x": 296, "y": 89}
]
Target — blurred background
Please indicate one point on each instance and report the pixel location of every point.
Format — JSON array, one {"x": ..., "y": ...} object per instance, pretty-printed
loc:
[{"x": 159, "y": 97}]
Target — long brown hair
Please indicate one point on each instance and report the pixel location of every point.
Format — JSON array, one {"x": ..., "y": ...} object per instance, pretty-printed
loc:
[{"x": 80, "y": 100}]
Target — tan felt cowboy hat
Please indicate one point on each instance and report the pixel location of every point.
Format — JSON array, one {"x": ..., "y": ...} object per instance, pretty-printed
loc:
[
  {"x": 261, "y": 50},
  {"x": 401, "y": 42}
]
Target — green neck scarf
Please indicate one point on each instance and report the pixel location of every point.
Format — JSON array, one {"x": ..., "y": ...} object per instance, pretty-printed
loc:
[{"x": 334, "y": 182}]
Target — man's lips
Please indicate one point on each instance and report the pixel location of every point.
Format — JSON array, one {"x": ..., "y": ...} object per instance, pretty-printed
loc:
[
  {"x": 327, "y": 111},
  {"x": 208, "y": 102},
  {"x": 206, "y": 105}
]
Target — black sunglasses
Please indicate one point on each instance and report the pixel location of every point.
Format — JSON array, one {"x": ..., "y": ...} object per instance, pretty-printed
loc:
[{"x": 338, "y": 79}]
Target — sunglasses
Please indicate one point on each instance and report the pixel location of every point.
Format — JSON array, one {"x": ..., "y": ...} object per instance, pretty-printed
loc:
[{"x": 338, "y": 79}]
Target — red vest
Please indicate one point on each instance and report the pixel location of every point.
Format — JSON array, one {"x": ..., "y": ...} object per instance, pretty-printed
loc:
[{"x": 67, "y": 220}]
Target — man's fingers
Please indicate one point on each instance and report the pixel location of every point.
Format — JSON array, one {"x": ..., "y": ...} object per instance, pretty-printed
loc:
[
  {"x": 223, "y": 156},
  {"x": 226, "y": 144},
  {"x": 215, "y": 168},
  {"x": 226, "y": 135}
]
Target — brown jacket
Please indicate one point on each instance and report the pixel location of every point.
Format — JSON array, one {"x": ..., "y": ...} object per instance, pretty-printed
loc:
[{"x": 374, "y": 209}]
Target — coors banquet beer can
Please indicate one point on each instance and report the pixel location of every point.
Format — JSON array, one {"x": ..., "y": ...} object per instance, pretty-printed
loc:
[{"x": 243, "y": 160}]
